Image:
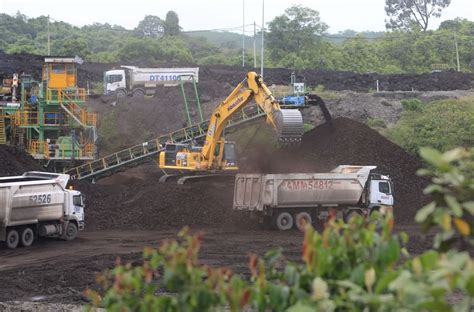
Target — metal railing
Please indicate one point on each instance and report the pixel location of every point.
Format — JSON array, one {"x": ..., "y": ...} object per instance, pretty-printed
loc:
[
  {"x": 60, "y": 95},
  {"x": 33, "y": 119},
  {"x": 44, "y": 150},
  {"x": 85, "y": 117}
]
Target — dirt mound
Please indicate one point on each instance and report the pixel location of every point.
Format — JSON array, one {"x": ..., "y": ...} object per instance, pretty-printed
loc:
[
  {"x": 122, "y": 202},
  {"x": 131, "y": 203},
  {"x": 335, "y": 80},
  {"x": 15, "y": 161},
  {"x": 123, "y": 123},
  {"x": 348, "y": 142}
]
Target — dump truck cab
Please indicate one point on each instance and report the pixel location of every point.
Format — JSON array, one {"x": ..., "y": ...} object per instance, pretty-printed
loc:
[
  {"x": 380, "y": 191},
  {"x": 75, "y": 211}
]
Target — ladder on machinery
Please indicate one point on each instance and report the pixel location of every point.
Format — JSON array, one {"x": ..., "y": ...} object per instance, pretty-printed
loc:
[
  {"x": 183, "y": 81},
  {"x": 138, "y": 154},
  {"x": 3, "y": 139}
]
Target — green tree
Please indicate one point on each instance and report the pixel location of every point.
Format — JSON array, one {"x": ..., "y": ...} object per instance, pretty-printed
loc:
[
  {"x": 171, "y": 25},
  {"x": 150, "y": 26},
  {"x": 360, "y": 55},
  {"x": 173, "y": 49},
  {"x": 139, "y": 51},
  {"x": 75, "y": 46},
  {"x": 296, "y": 31},
  {"x": 409, "y": 14}
]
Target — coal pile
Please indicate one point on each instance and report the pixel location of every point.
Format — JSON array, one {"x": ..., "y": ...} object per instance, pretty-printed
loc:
[
  {"x": 129, "y": 203},
  {"x": 14, "y": 161},
  {"x": 348, "y": 142},
  {"x": 335, "y": 80},
  {"x": 331, "y": 80},
  {"x": 124, "y": 202}
]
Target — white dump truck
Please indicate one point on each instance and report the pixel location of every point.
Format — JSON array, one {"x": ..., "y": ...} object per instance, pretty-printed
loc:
[
  {"x": 136, "y": 82},
  {"x": 288, "y": 199},
  {"x": 39, "y": 204}
]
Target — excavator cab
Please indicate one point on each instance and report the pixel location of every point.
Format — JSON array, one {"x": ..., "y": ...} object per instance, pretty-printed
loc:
[
  {"x": 225, "y": 158},
  {"x": 169, "y": 156},
  {"x": 179, "y": 156}
]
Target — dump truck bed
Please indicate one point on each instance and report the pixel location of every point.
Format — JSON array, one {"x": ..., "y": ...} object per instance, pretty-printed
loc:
[
  {"x": 343, "y": 186},
  {"x": 31, "y": 198}
]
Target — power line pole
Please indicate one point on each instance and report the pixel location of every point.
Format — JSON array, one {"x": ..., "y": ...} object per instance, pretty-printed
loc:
[
  {"x": 263, "y": 30},
  {"x": 254, "y": 45},
  {"x": 49, "y": 40},
  {"x": 457, "y": 51},
  {"x": 243, "y": 33}
]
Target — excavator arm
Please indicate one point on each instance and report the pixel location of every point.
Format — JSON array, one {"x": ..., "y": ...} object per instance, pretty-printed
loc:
[{"x": 288, "y": 123}]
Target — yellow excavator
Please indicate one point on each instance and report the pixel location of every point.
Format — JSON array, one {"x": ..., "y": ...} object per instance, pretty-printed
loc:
[{"x": 218, "y": 155}]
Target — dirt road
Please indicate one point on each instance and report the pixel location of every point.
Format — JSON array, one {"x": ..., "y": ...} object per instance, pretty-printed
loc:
[{"x": 58, "y": 271}]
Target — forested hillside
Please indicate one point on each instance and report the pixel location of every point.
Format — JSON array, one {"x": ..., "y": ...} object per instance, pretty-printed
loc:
[{"x": 296, "y": 39}]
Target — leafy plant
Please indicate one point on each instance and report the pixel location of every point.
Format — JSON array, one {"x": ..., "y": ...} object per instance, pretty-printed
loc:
[
  {"x": 452, "y": 208},
  {"x": 412, "y": 105}
]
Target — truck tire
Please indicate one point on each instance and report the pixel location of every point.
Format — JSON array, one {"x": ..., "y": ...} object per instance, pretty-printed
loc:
[
  {"x": 301, "y": 219},
  {"x": 283, "y": 221},
  {"x": 120, "y": 94},
  {"x": 13, "y": 238},
  {"x": 71, "y": 231},
  {"x": 351, "y": 214},
  {"x": 139, "y": 93},
  {"x": 27, "y": 237}
]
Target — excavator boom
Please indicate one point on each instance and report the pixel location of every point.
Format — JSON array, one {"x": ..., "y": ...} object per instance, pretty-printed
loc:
[{"x": 288, "y": 124}]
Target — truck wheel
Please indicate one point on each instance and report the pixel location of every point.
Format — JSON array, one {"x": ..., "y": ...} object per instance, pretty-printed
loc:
[
  {"x": 27, "y": 237},
  {"x": 12, "y": 239},
  {"x": 138, "y": 93},
  {"x": 284, "y": 221},
  {"x": 120, "y": 94},
  {"x": 71, "y": 231},
  {"x": 302, "y": 218},
  {"x": 351, "y": 214}
]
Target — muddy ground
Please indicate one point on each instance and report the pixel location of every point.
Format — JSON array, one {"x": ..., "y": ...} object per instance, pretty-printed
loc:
[{"x": 56, "y": 271}]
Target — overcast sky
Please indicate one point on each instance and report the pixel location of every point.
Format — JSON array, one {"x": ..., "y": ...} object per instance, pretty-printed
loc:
[{"x": 212, "y": 14}]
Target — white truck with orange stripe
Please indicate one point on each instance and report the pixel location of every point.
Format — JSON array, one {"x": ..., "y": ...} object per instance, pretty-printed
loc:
[{"x": 289, "y": 199}]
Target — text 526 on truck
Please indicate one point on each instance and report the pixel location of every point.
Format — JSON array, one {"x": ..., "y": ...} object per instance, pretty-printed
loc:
[
  {"x": 287, "y": 199},
  {"x": 38, "y": 204}
]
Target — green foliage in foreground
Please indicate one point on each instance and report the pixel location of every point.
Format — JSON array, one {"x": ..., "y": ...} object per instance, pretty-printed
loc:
[
  {"x": 442, "y": 125},
  {"x": 347, "y": 267},
  {"x": 452, "y": 208}
]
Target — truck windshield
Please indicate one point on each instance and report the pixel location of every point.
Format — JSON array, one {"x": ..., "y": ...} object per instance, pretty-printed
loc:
[
  {"x": 384, "y": 187},
  {"x": 77, "y": 200},
  {"x": 114, "y": 78}
]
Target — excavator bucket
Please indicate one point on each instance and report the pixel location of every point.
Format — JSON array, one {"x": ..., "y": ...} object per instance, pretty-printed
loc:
[
  {"x": 289, "y": 124},
  {"x": 313, "y": 100}
]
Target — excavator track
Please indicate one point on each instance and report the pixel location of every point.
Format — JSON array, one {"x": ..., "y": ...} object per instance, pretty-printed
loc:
[{"x": 289, "y": 124}]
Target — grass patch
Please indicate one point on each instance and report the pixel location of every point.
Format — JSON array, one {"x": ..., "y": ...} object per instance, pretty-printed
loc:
[
  {"x": 376, "y": 123},
  {"x": 443, "y": 125}
]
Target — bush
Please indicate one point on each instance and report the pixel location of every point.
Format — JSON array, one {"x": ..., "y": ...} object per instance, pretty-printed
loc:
[
  {"x": 442, "y": 125},
  {"x": 452, "y": 208},
  {"x": 412, "y": 105}
]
